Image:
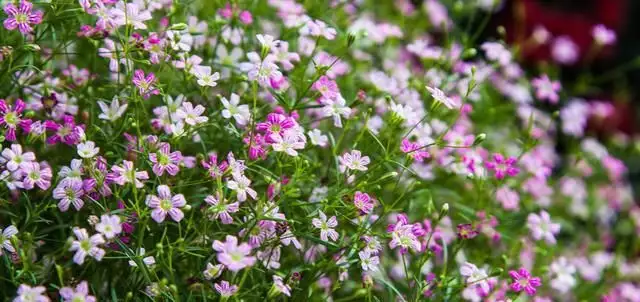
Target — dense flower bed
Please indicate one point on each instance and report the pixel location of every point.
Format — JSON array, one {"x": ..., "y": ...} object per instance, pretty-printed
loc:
[{"x": 346, "y": 151}]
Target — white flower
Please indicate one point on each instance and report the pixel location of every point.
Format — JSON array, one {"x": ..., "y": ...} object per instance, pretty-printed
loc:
[
  {"x": 149, "y": 261},
  {"x": 180, "y": 41},
  {"x": 475, "y": 276},
  {"x": 266, "y": 40},
  {"x": 85, "y": 245},
  {"x": 87, "y": 149},
  {"x": 112, "y": 112},
  {"x": 5, "y": 239},
  {"x": 227, "y": 60},
  {"x": 336, "y": 108},
  {"x": 130, "y": 13},
  {"x": 213, "y": 271},
  {"x": 205, "y": 78},
  {"x": 261, "y": 70},
  {"x": 231, "y": 109},
  {"x": 439, "y": 96},
  {"x": 317, "y": 138},
  {"x": 289, "y": 142},
  {"x": 368, "y": 262},
  {"x": 13, "y": 157},
  {"x": 191, "y": 115},
  {"x": 109, "y": 226},
  {"x": 240, "y": 184}
]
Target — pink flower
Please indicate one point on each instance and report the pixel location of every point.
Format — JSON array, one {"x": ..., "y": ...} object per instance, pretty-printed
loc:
[
  {"x": 260, "y": 69},
  {"x": 363, "y": 202},
  {"x": 413, "y": 150},
  {"x": 245, "y": 17},
  {"x": 326, "y": 226},
  {"x": 522, "y": 280},
  {"x": 542, "y": 227},
  {"x": 602, "y": 35},
  {"x": 35, "y": 174},
  {"x": 565, "y": 51},
  {"x": 80, "y": 293},
  {"x": 144, "y": 83},
  {"x": 276, "y": 124},
  {"x": 69, "y": 191},
  {"x": 165, "y": 160},
  {"x": 127, "y": 174},
  {"x": 508, "y": 198},
  {"x": 353, "y": 161},
  {"x": 164, "y": 203},
  {"x": 546, "y": 89},
  {"x": 13, "y": 157},
  {"x": 241, "y": 184},
  {"x": 11, "y": 118},
  {"x": 327, "y": 87},
  {"x": 502, "y": 167},
  {"x": 233, "y": 256},
  {"x": 215, "y": 170},
  {"x": 220, "y": 209},
  {"x": 21, "y": 17}
]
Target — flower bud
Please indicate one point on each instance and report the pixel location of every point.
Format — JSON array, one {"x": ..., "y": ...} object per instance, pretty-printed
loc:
[{"x": 178, "y": 27}]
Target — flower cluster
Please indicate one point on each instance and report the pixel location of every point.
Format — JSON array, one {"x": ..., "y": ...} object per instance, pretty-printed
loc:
[{"x": 304, "y": 150}]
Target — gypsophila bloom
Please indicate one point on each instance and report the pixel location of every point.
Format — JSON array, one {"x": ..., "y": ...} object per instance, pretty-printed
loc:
[
  {"x": 336, "y": 108},
  {"x": 240, "y": 184},
  {"x": 474, "y": 275},
  {"x": 502, "y": 167},
  {"x": 78, "y": 294},
  {"x": 363, "y": 202},
  {"x": 69, "y": 192},
  {"x": 149, "y": 261},
  {"x": 165, "y": 160},
  {"x": 130, "y": 13},
  {"x": 213, "y": 271},
  {"x": 326, "y": 226},
  {"x": 317, "y": 138},
  {"x": 128, "y": 174},
  {"x": 12, "y": 118},
  {"x": 280, "y": 287},
  {"x": 86, "y": 246},
  {"x": 262, "y": 70},
  {"x": 233, "y": 256},
  {"x": 603, "y": 35},
  {"x": 166, "y": 203},
  {"x": 353, "y": 161},
  {"x": 522, "y": 281},
  {"x": 113, "y": 111},
  {"x": 204, "y": 76},
  {"x": 21, "y": 17},
  {"x": 220, "y": 209},
  {"x": 439, "y": 97},
  {"x": 225, "y": 289},
  {"x": 232, "y": 108},
  {"x": 13, "y": 157},
  {"x": 109, "y": 226},
  {"x": 27, "y": 293},
  {"x": 5, "y": 239},
  {"x": 87, "y": 149},
  {"x": 145, "y": 84},
  {"x": 542, "y": 227},
  {"x": 546, "y": 89},
  {"x": 368, "y": 262}
]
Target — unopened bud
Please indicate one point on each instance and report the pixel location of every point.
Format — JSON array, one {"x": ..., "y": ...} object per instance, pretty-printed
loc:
[
  {"x": 444, "y": 210},
  {"x": 350, "y": 39},
  {"x": 93, "y": 220},
  {"x": 479, "y": 139},
  {"x": 32, "y": 47},
  {"x": 469, "y": 53},
  {"x": 178, "y": 27}
]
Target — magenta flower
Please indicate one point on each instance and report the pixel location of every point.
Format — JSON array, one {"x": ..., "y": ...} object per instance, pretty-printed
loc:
[
  {"x": 11, "y": 118},
  {"x": 80, "y": 293},
  {"x": 67, "y": 132},
  {"x": 233, "y": 256},
  {"x": 275, "y": 124},
  {"x": 413, "y": 150},
  {"x": 546, "y": 89},
  {"x": 69, "y": 191},
  {"x": 215, "y": 170},
  {"x": 127, "y": 174},
  {"x": 522, "y": 280},
  {"x": 145, "y": 84},
  {"x": 21, "y": 17},
  {"x": 165, "y": 160},
  {"x": 165, "y": 203},
  {"x": 502, "y": 167},
  {"x": 363, "y": 202}
]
